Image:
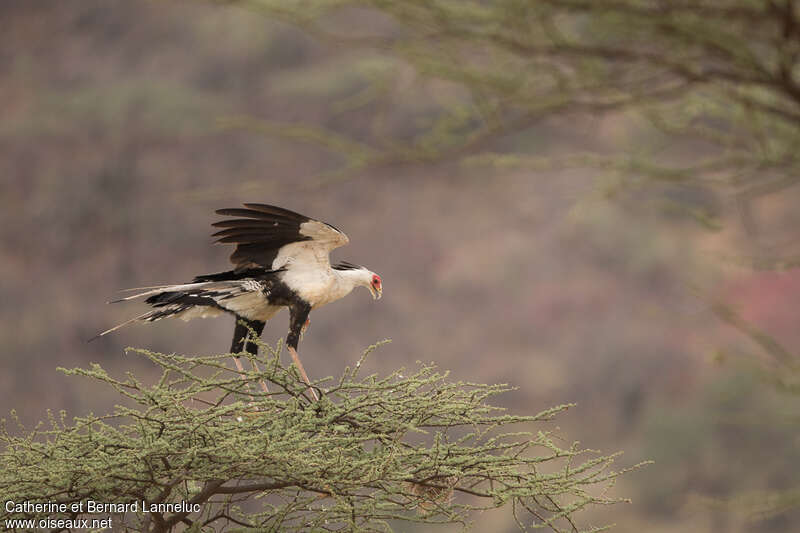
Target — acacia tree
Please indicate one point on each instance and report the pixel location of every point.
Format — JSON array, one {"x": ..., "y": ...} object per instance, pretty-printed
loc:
[
  {"x": 711, "y": 88},
  {"x": 205, "y": 449}
]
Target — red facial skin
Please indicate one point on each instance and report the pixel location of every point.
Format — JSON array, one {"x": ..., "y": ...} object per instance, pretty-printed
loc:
[{"x": 376, "y": 281}]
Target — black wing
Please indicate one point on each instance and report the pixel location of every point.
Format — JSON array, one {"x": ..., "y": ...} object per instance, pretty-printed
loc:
[{"x": 263, "y": 231}]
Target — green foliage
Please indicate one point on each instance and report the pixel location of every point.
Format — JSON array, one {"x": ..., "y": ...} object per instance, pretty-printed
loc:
[
  {"x": 161, "y": 107},
  {"x": 373, "y": 450},
  {"x": 711, "y": 109}
]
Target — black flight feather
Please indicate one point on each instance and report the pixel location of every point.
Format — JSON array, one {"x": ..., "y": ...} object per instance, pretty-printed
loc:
[
  {"x": 344, "y": 265},
  {"x": 260, "y": 236}
]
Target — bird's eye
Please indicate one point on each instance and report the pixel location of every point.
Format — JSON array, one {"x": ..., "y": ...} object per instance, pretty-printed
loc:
[{"x": 376, "y": 280}]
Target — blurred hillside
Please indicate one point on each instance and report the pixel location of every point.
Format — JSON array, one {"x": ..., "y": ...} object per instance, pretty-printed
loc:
[{"x": 114, "y": 153}]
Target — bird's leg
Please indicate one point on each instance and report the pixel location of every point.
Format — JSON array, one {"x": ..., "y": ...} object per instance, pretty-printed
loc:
[
  {"x": 263, "y": 385},
  {"x": 305, "y": 327},
  {"x": 240, "y": 335},
  {"x": 239, "y": 366},
  {"x": 302, "y": 370},
  {"x": 241, "y": 370},
  {"x": 297, "y": 320}
]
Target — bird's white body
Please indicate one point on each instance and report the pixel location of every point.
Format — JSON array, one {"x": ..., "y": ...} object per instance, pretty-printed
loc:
[
  {"x": 319, "y": 287},
  {"x": 250, "y": 300}
]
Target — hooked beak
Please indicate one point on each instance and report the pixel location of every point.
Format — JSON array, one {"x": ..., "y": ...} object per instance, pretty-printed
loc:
[{"x": 376, "y": 292}]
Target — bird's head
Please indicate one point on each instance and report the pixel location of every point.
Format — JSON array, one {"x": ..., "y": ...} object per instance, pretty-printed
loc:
[
  {"x": 375, "y": 285},
  {"x": 359, "y": 276}
]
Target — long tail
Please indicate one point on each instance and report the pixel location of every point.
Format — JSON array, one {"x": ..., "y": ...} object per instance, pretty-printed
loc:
[
  {"x": 143, "y": 316},
  {"x": 160, "y": 289},
  {"x": 188, "y": 300}
]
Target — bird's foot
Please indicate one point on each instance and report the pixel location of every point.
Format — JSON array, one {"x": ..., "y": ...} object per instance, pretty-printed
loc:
[{"x": 305, "y": 326}]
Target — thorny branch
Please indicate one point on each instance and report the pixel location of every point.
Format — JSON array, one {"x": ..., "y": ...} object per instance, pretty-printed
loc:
[{"x": 372, "y": 449}]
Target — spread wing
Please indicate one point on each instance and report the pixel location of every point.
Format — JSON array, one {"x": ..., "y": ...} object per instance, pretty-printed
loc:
[{"x": 274, "y": 237}]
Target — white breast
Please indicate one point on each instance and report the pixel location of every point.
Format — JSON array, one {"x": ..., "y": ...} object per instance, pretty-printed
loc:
[{"x": 311, "y": 284}]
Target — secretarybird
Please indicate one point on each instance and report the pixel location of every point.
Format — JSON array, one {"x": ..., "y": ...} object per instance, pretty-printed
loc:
[{"x": 281, "y": 260}]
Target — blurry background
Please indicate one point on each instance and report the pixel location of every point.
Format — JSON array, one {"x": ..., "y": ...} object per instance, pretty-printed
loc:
[{"x": 125, "y": 124}]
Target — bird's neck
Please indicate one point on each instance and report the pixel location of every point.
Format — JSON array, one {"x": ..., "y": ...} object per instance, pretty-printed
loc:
[
  {"x": 319, "y": 287},
  {"x": 344, "y": 281}
]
